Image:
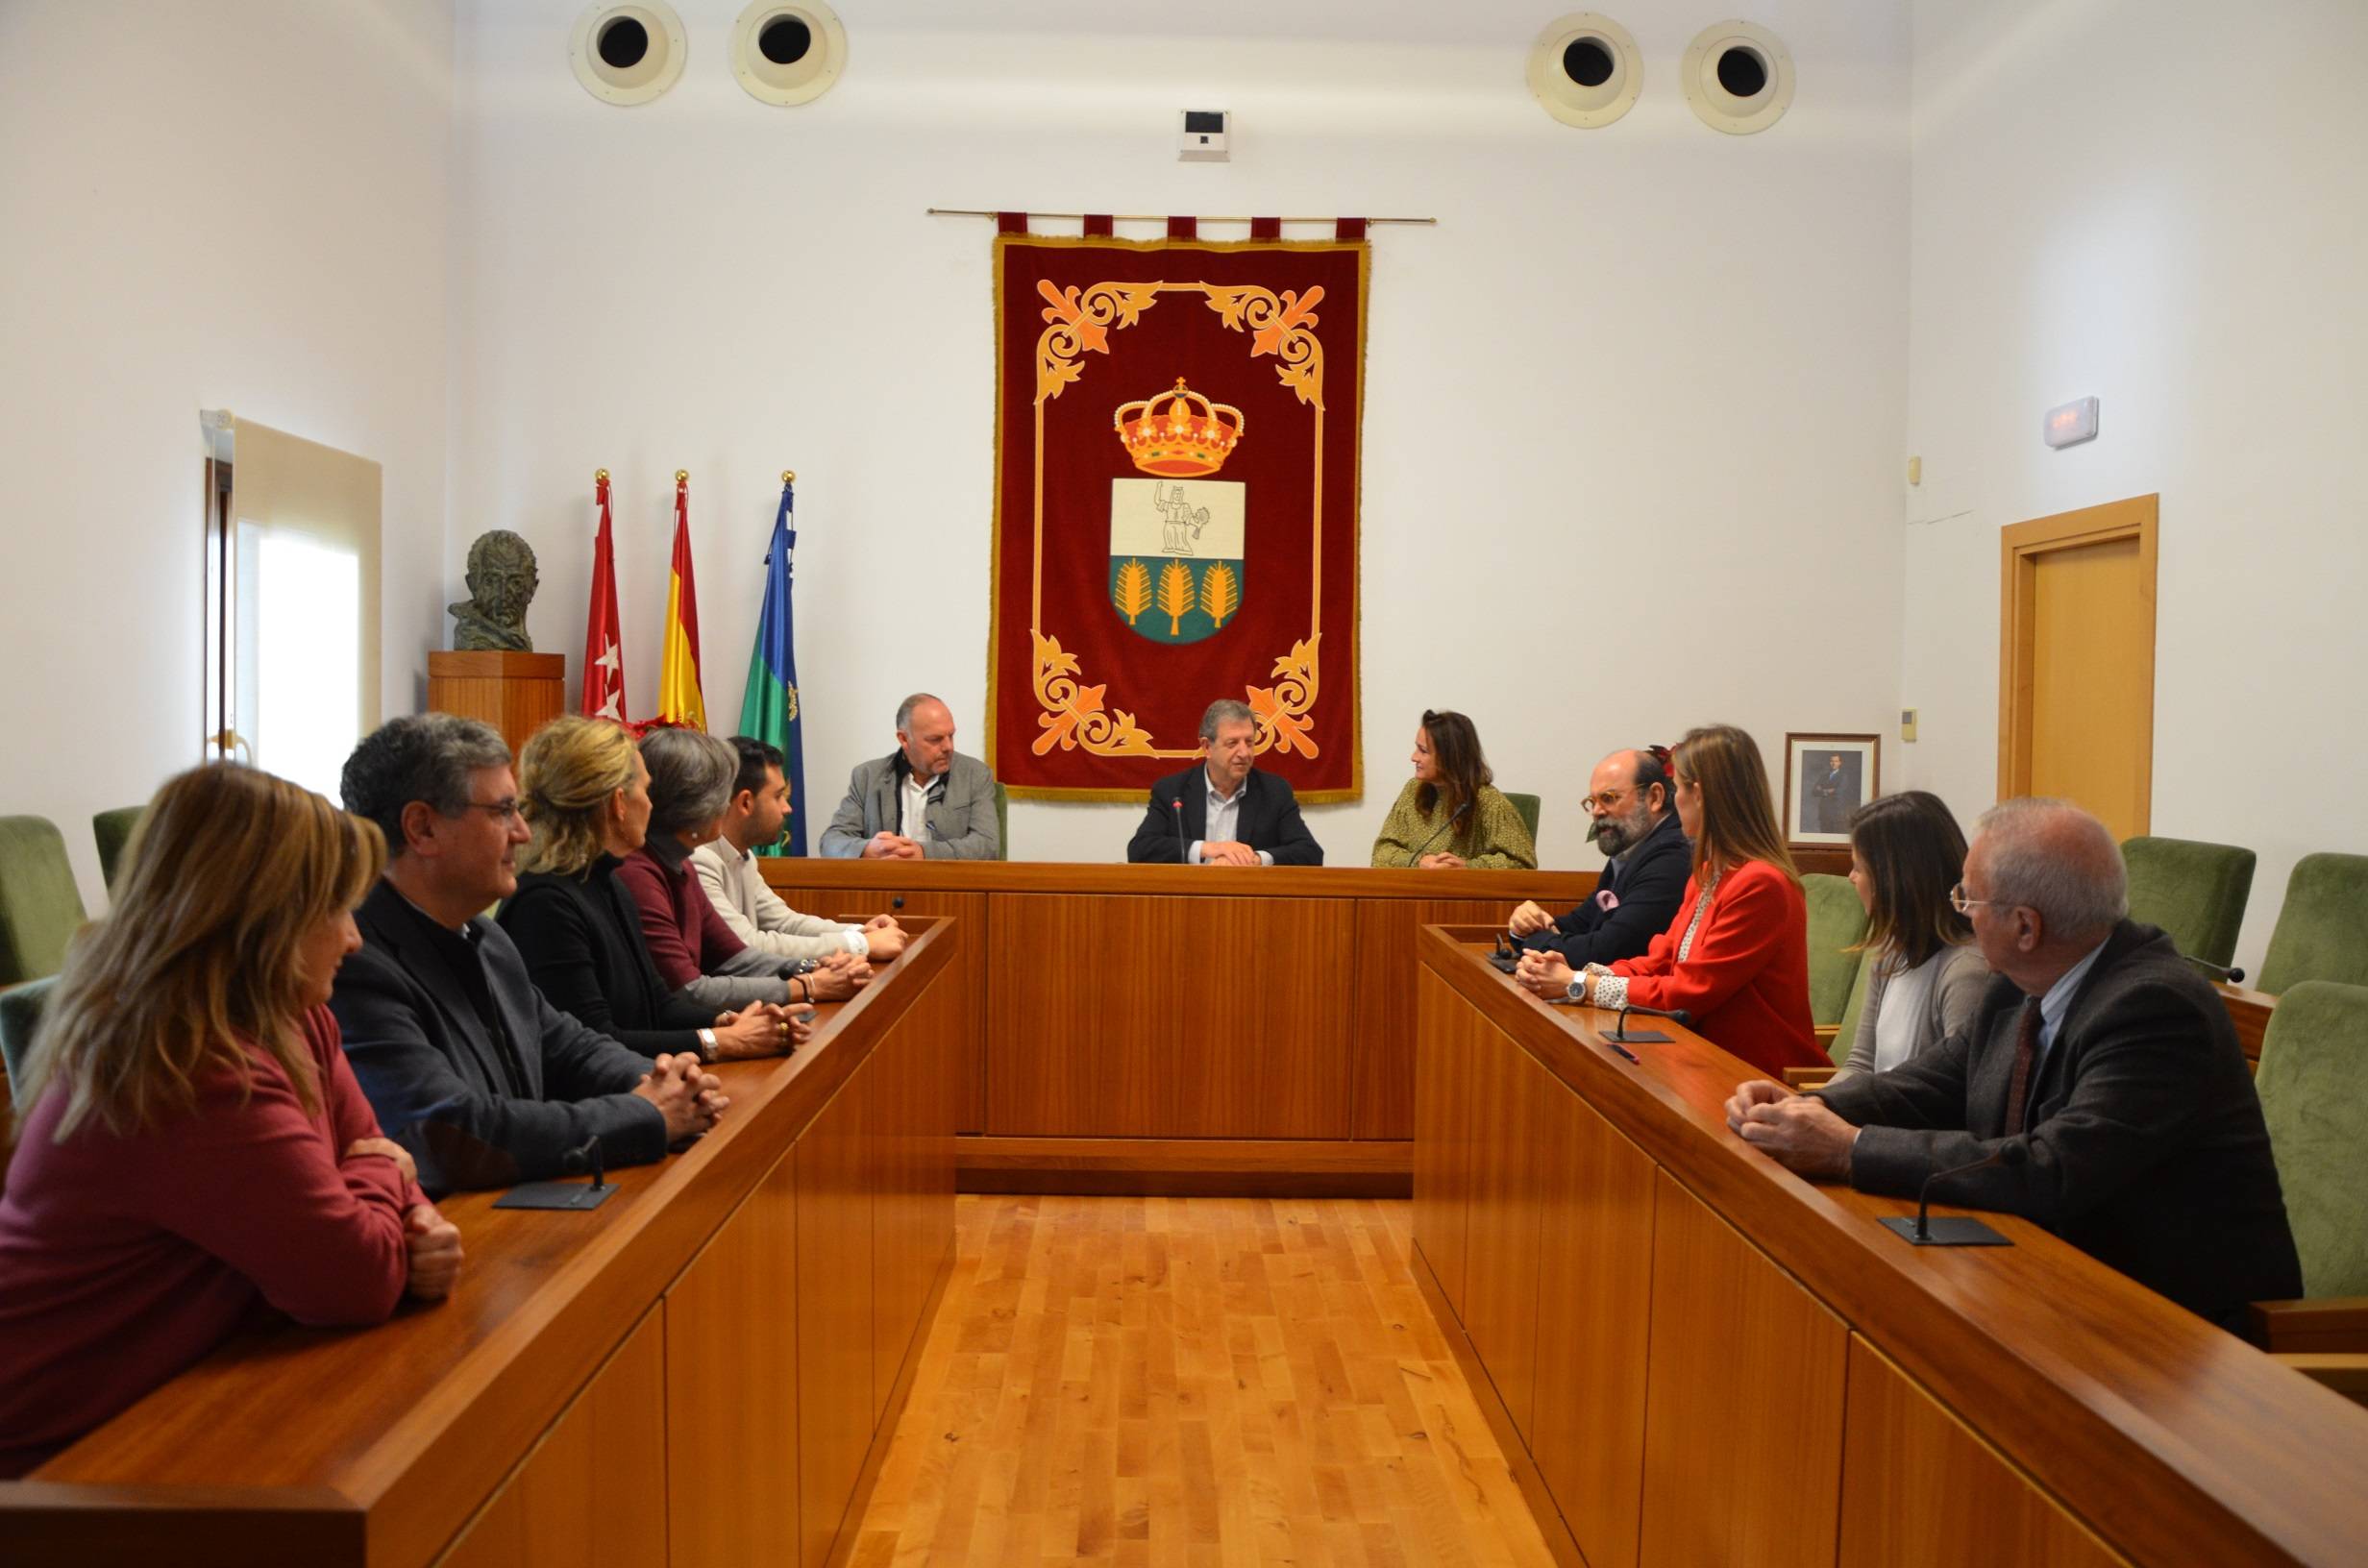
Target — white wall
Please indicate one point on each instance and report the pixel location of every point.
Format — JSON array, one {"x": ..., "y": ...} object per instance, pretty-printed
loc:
[
  {"x": 1633, "y": 424},
  {"x": 2132, "y": 199},
  {"x": 238, "y": 206}
]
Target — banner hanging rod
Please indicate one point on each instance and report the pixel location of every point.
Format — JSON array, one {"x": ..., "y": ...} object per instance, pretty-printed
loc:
[{"x": 1142, "y": 217}]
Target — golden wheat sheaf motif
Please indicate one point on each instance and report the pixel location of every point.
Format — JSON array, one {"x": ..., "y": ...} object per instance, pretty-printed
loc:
[
  {"x": 1175, "y": 596},
  {"x": 1131, "y": 594},
  {"x": 1220, "y": 593}
]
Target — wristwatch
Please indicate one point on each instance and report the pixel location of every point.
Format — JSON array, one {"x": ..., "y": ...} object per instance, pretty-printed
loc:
[
  {"x": 1576, "y": 990},
  {"x": 706, "y": 1046}
]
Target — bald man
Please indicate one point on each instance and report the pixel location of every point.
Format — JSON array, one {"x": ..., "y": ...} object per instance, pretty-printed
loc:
[
  {"x": 923, "y": 801},
  {"x": 1643, "y": 882},
  {"x": 2098, "y": 1049}
]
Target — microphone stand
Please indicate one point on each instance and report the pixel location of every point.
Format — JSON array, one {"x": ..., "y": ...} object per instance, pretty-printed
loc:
[{"x": 1955, "y": 1229}]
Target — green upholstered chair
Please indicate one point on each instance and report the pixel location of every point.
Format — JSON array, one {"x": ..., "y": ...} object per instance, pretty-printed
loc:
[
  {"x": 1839, "y": 1048},
  {"x": 2314, "y": 1084},
  {"x": 1837, "y": 924},
  {"x": 2194, "y": 890},
  {"x": 2322, "y": 931},
  {"x": 20, "y": 1015},
  {"x": 1003, "y": 823},
  {"x": 41, "y": 909},
  {"x": 113, "y": 830},
  {"x": 1525, "y": 807}
]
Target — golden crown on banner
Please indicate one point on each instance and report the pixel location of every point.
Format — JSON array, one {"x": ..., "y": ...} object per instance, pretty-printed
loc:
[{"x": 1178, "y": 434}]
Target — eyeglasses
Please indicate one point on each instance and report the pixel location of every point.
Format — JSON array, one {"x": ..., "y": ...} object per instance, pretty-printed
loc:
[
  {"x": 1596, "y": 805},
  {"x": 1964, "y": 905},
  {"x": 502, "y": 811}
]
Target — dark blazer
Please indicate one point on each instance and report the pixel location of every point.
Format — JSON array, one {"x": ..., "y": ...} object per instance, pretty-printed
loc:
[
  {"x": 2146, "y": 1144},
  {"x": 582, "y": 938},
  {"x": 1268, "y": 819},
  {"x": 1646, "y": 885},
  {"x": 477, "y": 1109}
]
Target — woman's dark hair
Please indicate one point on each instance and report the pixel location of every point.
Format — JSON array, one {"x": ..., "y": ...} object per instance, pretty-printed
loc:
[
  {"x": 1914, "y": 853},
  {"x": 1463, "y": 771}
]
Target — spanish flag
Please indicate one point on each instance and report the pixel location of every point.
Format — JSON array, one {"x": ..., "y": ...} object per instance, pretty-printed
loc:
[{"x": 678, "y": 702}]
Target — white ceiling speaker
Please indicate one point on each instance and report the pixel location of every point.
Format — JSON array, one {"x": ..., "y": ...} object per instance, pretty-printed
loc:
[
  {"x": 1584, "y": 69},
  {"x": 788, "y": 51},
  {"x": 629, "y": 53},
  {"x": 1738, "y": 77}
]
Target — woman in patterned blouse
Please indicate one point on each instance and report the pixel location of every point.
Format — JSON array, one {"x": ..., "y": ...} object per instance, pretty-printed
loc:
[{"x": 1452, "y": 813}]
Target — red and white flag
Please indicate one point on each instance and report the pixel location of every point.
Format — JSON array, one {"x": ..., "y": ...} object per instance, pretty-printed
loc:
[{"x": 604, "y": 654}]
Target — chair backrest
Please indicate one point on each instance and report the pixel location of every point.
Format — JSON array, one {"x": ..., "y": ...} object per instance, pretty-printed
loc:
[
  {"x": 40, "y": 908},
  {"x": 20, "y": 1016},
  {"x": 1836, "y": 922},
  {"x": 1003, "y": 823},
  {"x": 1840, "y": 1046},
  {"x": 2322, "y": 929},
  {"x": 2194, "y": 890},
  {"x": 2313, "y": 1085},
  {"x": 1525, "y": 806},
  {"x": 113, "y": 830}
]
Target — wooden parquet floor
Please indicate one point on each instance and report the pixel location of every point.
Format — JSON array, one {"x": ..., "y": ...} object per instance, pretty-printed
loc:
[{"x": 1191, "y": 1380}]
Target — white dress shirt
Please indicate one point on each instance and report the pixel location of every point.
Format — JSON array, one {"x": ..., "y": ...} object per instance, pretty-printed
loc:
[
  {"x": 1224, "y": 812},
  {"x": 913, "y": 808}
]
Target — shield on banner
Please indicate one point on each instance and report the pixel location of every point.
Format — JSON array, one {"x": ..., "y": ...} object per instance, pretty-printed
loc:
[{"x": 1176, "y": 556}]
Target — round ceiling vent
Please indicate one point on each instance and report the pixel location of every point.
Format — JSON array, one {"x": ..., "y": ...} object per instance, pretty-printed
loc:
[
  {"x": 788, "y": 51},
  {"x": 629, "y": 53},
  {"x": 1584, "y": 69},
  {"x": 1738, "y": 77}
]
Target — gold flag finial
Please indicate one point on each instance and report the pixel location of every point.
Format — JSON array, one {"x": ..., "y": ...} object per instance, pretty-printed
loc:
[
  {"x": 789, "y": 476},
  {"x": 682, "y": 476},
  {"x": 598, "y": 474}
]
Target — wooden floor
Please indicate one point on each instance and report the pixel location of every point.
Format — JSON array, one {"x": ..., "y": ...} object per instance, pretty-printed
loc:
[{"x": 1189, "y": 1380}]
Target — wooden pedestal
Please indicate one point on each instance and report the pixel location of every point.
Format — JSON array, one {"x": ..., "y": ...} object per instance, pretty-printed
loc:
[{"x": 515, "y": 693}]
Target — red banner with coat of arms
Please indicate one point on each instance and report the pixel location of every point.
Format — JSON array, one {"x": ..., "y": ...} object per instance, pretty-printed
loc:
[{"x": 1175, "y": 508}]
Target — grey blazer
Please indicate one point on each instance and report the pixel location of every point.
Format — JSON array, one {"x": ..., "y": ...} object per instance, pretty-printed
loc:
[
  {"x": 961, "y": 814},
  {"x": 1949, "y": 1006}
]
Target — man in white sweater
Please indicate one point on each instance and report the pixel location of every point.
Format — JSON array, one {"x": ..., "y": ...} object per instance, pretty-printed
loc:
[{"x": 728, "y": 871}]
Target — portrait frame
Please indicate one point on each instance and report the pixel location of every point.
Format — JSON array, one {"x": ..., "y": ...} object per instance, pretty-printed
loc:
[{"x": 1819, "y": 797}]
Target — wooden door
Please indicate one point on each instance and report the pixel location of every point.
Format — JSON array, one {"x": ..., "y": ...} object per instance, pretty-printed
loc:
[{"x": 2076, "y": 709}]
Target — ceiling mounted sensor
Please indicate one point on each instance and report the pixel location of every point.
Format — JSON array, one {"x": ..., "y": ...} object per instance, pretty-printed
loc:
[
  {"x": 1584, "y": 69},
  {"x": 788, "y": 51},
  {"x": 1738, "y": 77},
  {"x": 629, "y": 53}
]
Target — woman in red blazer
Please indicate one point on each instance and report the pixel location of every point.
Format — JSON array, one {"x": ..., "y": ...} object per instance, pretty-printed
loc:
[{"x": 1736, "y": 956}]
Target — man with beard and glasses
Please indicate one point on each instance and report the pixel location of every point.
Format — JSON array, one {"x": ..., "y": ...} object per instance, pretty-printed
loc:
[{"x": 1635, "y": 825}]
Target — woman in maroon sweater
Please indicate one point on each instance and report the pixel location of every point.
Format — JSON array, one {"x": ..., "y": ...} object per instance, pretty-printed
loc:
[
  {"x": 192, "y": 1151},
  {"x": 1736, "y": 956}
]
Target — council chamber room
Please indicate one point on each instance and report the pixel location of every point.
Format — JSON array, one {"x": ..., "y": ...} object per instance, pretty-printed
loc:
[{"x": 861, "y": 782}]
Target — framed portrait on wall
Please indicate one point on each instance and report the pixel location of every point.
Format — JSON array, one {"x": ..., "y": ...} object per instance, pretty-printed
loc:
[{"x": 1826, "y": 778}]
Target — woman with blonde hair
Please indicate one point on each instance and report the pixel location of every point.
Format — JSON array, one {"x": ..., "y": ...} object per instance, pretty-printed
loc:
[
  {"x": 192, "y": 1146},
  {"x": 584, "y": 792},
  {"x": 1736, "y": 956}
]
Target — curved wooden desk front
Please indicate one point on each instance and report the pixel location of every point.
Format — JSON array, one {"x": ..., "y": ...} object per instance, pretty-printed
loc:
[
  {"x": 697, "y": 1371},
  {"x": 1705, "y": 1359}
]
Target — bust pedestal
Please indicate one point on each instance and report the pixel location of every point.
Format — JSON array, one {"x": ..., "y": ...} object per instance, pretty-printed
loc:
[{"x": 515, "y": 693}]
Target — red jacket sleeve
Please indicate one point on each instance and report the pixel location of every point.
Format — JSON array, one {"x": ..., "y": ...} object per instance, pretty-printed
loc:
[
  {"x": 256, "y": 1182},
  {"x": 1738, "y": 937}
]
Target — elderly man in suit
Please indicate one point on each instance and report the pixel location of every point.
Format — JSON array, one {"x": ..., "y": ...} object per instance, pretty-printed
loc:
[
  {"x": 1224, "y": 812},
  {"x": 2102, "y": 1052},
  {"x": 1635, "y": 810},
  {"x": 467, "y": 1066},
  {"x": 923, "y": 801}
]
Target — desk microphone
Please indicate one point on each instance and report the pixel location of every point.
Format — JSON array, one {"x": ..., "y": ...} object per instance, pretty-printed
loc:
[
  {"x": 2218, "y": 972},
  {"x": 1444, "y": 828},
  {"x": 1957, "y": 1232},
  {"x": 1183, "y": 849},
  {"x": 1651, "y": 1037}
]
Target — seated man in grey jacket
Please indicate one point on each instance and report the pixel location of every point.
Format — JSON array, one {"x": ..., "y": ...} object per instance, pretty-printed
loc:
[
  {"x": 728, "y": 871},
  {"x": 924, "y": 798}
]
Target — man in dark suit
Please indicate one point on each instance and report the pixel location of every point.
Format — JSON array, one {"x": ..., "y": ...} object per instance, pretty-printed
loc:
[
  {"x": 1644, "y": 881},
  {"x": 2099, "y": 1049},
  {"x": 1224, "y": 812},
  {"x": 467, "y": 1066}
]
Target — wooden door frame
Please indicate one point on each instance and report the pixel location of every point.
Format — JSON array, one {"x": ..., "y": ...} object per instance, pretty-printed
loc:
[{"x": 2020, "y": 546}]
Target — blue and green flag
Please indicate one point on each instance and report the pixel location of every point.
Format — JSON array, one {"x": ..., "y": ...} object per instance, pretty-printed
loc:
[{"x": 768, "y": 706}]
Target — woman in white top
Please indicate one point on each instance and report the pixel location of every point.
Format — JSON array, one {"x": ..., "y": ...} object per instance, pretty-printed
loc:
[{"x": 1906, "y": 853}]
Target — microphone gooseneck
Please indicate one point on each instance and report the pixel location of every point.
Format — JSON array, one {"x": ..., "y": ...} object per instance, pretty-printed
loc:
[
  {"x": 2010, "y": 1153},
  {"x": 1444, "y": 828}
]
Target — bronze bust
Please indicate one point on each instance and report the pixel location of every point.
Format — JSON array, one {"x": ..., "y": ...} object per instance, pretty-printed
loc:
[{"x": 501, "y": 584}]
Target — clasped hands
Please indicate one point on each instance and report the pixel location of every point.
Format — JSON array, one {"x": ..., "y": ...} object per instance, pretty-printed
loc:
[
  {"x": 885, "y": 846},
  {"x": 431, "y": 1241},
  {"x": 1797, "y": 1130},
  {"x": 1439, "y": 861},
  {"x": 1228, "y": 852},
  {"x": 761, "y": 1029},
  {"x": 1548, "y": 974}
]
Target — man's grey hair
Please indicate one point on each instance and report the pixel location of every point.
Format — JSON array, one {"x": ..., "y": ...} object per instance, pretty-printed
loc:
[
  {"x": 691, "y": 775},
  {"x": 2054, "y": 857},
  {"x": 904, "y": 710},
  {"x": 422, "y": 756},
  {"x": 1224, "y": 711}
]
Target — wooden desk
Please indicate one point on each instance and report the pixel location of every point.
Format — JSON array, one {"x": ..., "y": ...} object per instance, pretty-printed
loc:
[
  {"x": 702, "y": 1370},
  {"x": 1696, "y": 1356},
  {"x": 1181, "y": 1028}
]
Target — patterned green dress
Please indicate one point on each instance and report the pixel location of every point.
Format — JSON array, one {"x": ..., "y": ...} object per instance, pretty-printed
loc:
[{"x": 1492, "y": 836}]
